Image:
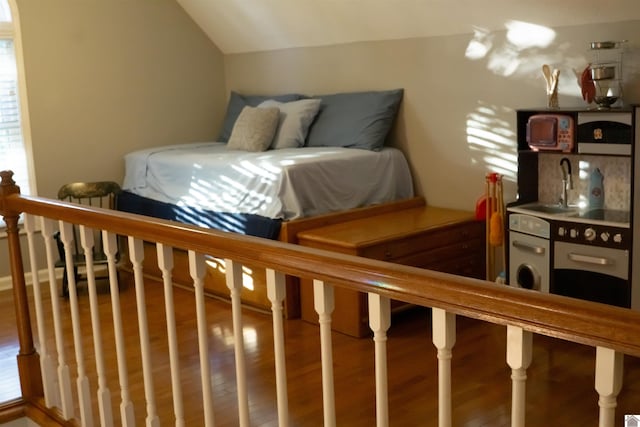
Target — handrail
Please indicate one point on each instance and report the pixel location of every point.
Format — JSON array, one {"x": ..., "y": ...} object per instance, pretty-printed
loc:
[{"x": 552, "y": 315}]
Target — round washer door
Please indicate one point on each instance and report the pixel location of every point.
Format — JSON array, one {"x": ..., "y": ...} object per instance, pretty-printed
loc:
[{"x": 527, "y": 277}]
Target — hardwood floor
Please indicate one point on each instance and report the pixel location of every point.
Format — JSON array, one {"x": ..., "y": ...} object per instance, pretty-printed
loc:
[{"x": 560, "y": 389}]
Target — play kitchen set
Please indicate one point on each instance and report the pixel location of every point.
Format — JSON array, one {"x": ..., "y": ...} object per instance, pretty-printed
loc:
[{"x": 571, "y": 230}]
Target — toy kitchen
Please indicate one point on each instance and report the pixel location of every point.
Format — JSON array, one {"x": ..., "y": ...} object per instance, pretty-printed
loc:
[{"x": 571, "y": 230}]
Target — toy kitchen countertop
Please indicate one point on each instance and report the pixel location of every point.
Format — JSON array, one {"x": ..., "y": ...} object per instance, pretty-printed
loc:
[{"x": 600, "y": 216}]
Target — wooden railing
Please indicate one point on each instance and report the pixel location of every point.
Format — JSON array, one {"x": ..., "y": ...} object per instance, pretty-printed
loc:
[{"x": 616, "y": 331}]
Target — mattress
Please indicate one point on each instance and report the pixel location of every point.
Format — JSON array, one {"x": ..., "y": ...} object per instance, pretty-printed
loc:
[
  {"x": 279, "y": 184},
  {"x": 249, "y": 224}
]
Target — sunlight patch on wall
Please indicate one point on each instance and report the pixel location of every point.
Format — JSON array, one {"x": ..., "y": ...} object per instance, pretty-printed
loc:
[
  {"x": 520, "y": 50},
  {"x": 506, "y": 58},
  {"x": 516, "y": 53},
  {"x": 492, "y": 141},
  {"x": 480, "y": 44},
  {"x": 524, "y": 35}
]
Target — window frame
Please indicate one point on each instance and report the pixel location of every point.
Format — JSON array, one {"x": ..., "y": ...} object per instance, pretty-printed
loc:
[{"x": 13, "y": 31}]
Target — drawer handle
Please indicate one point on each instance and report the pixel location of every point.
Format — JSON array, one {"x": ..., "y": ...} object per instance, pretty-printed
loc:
[
  {"x": 528, "y": 247},
  {"x": 589, "y": 259}
]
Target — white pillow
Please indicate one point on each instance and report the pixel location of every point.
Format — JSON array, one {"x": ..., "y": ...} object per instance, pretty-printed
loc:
[
  {"x": 295, "y": 119},
  {"x": 254, "y": 129}
]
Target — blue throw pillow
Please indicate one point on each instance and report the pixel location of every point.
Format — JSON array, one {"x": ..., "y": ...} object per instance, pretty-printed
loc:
[
  {"x": 355, "y": 119},
  {"x": 237, "y": 102}
]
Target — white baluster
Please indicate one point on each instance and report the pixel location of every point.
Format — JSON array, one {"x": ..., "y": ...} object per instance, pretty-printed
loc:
[
  {"x": 519, "y": 346},
  {"x": 444, "y": 338},
  {"x": 234, "y": 283},
  {"x": 110, "y": 244},
  {"x": 608, "y": 383},
  {"x": 380, "y": 321},
  {"x": 84, "y": 396},
  {"x": 197, "y": 269},
  {"x": 276, "y": 294},
  {"x": 47, "y": 366},
  {"x": 136, "y": 254},
  {"x": 165, "y": 263},
  {"x": 64, "y": 376},
  {"x": 323, "y": 302},
  {"x": 104, "y": 395}
]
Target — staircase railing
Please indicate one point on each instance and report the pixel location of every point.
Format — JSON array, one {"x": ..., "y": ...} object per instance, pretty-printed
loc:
[{"x": 46, "y": 375}]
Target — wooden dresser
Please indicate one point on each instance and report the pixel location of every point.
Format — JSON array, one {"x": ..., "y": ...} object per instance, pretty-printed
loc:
[{"x": 440, "y": 239}]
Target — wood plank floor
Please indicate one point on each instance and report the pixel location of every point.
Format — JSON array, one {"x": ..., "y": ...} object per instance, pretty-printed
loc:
[{"x": 560, "y": 387}]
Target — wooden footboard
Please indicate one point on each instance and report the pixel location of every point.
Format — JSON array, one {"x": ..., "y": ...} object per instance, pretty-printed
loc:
[{"x": 254, "y": 293}]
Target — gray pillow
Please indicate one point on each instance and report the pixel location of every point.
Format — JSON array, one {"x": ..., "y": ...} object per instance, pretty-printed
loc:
[
  {"x": 355, "y": 119},
  {"x": 295, "y": 119},
  {"x": 237, "y": 102},
  {"x": 254, "y": 129}
]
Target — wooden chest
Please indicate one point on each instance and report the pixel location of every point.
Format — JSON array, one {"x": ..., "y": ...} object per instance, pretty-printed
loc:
[{"x": 440, "y": 239}]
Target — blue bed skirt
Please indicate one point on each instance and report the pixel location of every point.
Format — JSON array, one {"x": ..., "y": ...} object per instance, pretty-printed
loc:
[{"x": 249, "y": 224}]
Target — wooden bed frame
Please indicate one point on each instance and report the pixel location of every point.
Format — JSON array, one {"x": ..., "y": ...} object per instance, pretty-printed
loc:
[{"x": 254, "y": 294}]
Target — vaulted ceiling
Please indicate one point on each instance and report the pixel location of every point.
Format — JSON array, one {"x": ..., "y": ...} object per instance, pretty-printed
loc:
[{"x": 249, "y": 26}]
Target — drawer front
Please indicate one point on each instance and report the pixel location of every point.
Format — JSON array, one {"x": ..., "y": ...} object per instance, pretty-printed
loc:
[
  {"x": 463, "y": 258},
  {"x": 468, "y": 266},
  {"x": 395, "y": 250},
  {"x": 430, "y": 258}
]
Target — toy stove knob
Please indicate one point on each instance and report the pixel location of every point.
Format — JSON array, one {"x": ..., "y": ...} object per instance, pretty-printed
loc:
[{"x": 590, "y": 234}]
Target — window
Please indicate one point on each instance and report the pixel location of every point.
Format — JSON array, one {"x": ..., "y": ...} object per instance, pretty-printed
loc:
[{"x": 14, "y": 143}]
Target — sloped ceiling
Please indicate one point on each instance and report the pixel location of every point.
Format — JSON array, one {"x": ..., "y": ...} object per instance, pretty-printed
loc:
[{"x": 249, "y": 26}]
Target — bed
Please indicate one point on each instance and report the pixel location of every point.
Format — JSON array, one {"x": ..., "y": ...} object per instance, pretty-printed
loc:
[
  {"x": 207, "y": 184},
  {"x": 280, "y": 163}
]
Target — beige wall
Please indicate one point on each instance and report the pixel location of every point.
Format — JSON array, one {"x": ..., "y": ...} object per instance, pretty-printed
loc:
[
  {"x": 108, "y": 77},
  {"x": 457, "y": 119}
]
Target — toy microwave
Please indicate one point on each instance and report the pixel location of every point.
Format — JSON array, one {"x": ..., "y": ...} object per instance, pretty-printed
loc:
[{"x": 553, "y": 132}]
